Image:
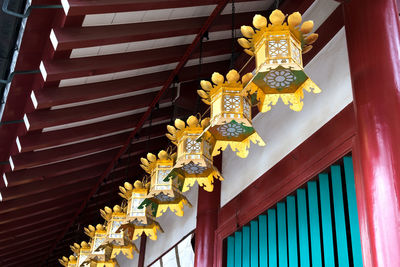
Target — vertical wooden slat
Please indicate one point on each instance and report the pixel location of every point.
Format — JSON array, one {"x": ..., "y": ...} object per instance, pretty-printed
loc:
[
  {"x": 313, "y": 212},
  {"x": 303, "y": 228},
  {"x": 272, "y": 249},
  {"x": 262, "y": 223},
  {"x": 246, "y": 246},
  {"x": 230, "y": 262},
  {"x": 282, "y": 239},
  {"x": 353, "y": 213},
  {"x": 326, "y": 219},
  {"x": 238, "y": 249},
  {"x": 292, "y": 231},
  {"x": 254, "y": 243},
  {"x": 340, "y": 223}
]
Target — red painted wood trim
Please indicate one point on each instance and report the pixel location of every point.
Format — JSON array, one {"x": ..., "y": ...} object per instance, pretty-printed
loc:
[
  {"x": 142, "y": 253},
  {"x": 54, "y": 96},
  {"x": 47, "y": 118},
  {"x": 70, "y": 38},
  {"x": 323, "y": 148},
  {"x": 82, "y": 7},
  {"x": 88, "y": 66},
  {"x": 376, "y": 91},
  {"x": 36, "y": 140},
  {"x": 207, "y": 221}
]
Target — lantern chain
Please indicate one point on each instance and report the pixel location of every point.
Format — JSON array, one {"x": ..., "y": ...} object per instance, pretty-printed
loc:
[{"x": 233, "y": 35}]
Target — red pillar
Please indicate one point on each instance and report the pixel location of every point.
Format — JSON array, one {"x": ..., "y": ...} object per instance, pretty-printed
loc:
[
  {"x": 142, "y": 250},
  {"x": 207, "y": 222},
  {"x": 372, "y": 31}
]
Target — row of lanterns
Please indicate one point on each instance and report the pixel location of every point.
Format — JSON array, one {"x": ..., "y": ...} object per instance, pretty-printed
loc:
[{"x": 277, "y": 46}]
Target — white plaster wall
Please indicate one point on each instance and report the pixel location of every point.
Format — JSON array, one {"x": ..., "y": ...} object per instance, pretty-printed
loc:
[
  {"x": 283, "y": 129},
  {"x": 175, "y": 229}
]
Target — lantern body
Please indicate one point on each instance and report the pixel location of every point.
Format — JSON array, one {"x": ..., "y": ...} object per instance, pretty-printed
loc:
[
  {"x": 117, "y": 219},
  {"x": 141, "y": 218},
  {"x": 135, "y": 213},
  {"x": 98, "y": 240},
  {"x": 167, "y": 193},
  {"x": 194, "y": 158},
  {"x": 84, "y": 254},
  {"x": 72, "y": 263},
  {"x": 279, "y": 72},
  {"x": 230, "y": 122}
]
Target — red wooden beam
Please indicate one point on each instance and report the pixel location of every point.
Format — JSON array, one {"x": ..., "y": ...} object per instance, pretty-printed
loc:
[
  {"x": 36, "y": 140},
  {"x": 35, "y": 187},
  {"x": 167, "y": 84},
  {"x": 49, "y": 97},
  {"x": 35, "y": 158},
  {"x": 83, "y": 7},
  {"x": 54, "y": 70},
  {"x": 45, "y": 197},
  {"x": 61, "y": 168},
  {"x": 70, "y": 38},
  {"x": 47, "y": 118}
]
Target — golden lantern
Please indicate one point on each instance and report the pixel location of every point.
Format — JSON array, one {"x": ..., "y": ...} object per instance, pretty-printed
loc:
[
  {"x": 115, "y": 218},
  {"x": 98, "y": 237},
  {"x": 164, "y": 194},
  {"x": 230, "y": 122},
  {"x": 277, "y": 47},
  {"x": 68, "y": 262},
  {"x": 82, "y": 252},
  {"x": 116, "y": 238},
  {"x": 194, "y": 155},
  {"x": 139, "y": 219}
]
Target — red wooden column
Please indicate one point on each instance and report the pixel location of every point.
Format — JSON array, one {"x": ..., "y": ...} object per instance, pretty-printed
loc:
[
  {"x": 142, "y": 250},
  {"x": 207, "y": 222},
  {"x": 372, "y": 31}
]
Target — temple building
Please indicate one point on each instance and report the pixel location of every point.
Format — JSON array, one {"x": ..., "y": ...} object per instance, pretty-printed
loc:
[{"x": 199, "y": 133}]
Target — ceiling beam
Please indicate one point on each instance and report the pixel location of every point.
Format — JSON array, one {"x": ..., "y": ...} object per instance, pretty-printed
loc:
[
  {"x": 49, "y": 97},
  {"x": 83, "y": 7},
  {"x": 79, "y": 37},
  {"x": 49, "y": 118},
  {"x": 54, "y": 70},
  {"x": 39, "y": 140}
]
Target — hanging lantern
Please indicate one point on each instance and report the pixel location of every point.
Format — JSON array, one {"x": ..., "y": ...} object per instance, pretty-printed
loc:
[
  {"x": 230, "y": 114},
  {"x": 116, "y": 238},
  {"x": 194, "y": 155},
  {"x": 82, "y": 252},
  {"x": 68, "y": 262},
  {"x": 98, "y": 237},
  {"x": 165, "y": 194},
  {"x": 139, "y": 219},
  {"x": 277, "y": 47}
]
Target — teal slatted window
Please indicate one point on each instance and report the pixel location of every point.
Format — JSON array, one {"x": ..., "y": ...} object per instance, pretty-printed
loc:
[{"x": 315, "y": 226}]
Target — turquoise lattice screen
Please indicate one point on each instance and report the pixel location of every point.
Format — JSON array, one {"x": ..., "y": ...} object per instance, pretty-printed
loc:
[{"x": 316, "y": 226}]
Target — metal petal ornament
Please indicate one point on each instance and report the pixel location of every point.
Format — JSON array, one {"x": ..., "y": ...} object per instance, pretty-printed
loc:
[
  {"x": 194, "y": 155},
  {"x": 230, "y": 122},
  {"x": 165, "y": 194},
  {"x": 277, "y": 48}
]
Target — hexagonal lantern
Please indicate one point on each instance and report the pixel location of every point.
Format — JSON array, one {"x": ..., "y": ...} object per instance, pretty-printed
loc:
[
  {"x": 82, "y": 251},
  {"x": 98, "y": 237},
  {"x": 139, "y": 219},
  {"x": 277, "y": 47},
  {"x": 230, "y": 122},
  {"x": 194, "y": 154},
  {"x": 165, "y": 194}
]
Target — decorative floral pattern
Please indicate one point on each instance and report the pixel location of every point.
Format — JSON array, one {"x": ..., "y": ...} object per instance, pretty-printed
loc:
[
  {"x": 232, "y": 103},
  {"x": 231, "y": 130},
  {"x": 278, "y": 48},
  {"x": 279, "y": 78},
  {"x": 192, "y": 146},
  {"x": 193, "y": 168}
]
